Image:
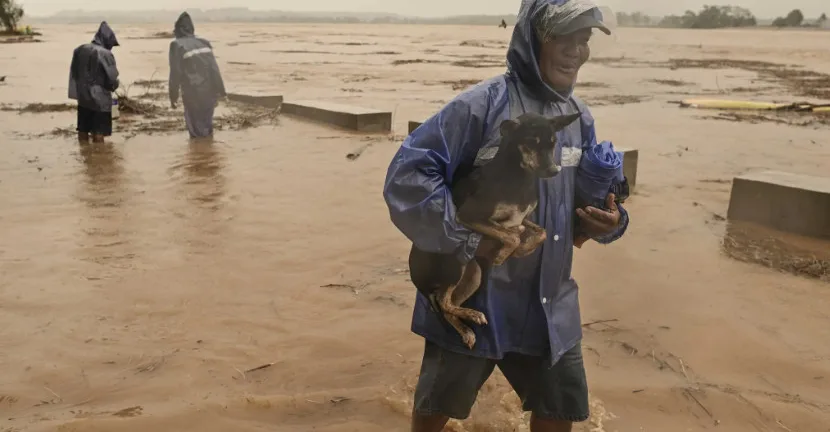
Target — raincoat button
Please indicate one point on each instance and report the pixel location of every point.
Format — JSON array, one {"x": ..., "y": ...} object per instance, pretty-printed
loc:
[
  {"x": 544, "y": 300},
  {"x": 556, "y": 237}
]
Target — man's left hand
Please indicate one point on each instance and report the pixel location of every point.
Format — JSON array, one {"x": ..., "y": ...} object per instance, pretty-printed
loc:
[{"x": 596, "y": 222}]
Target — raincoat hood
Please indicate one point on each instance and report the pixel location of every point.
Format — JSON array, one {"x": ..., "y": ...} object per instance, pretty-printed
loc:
[
  {"x": 184, "y": 26},
  {"x": 523, "y": 52},
  {"x": 105, "y": 36}
]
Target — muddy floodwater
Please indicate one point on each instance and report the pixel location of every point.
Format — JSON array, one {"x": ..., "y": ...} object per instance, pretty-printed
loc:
[{"x": 256, "y": 283}]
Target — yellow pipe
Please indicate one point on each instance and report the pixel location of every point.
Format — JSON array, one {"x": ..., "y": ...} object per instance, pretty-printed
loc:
[{"x": 748, "y": 105}]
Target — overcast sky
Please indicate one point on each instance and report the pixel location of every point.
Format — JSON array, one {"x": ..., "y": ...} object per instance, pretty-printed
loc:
[{"x": 431, "y": 8}]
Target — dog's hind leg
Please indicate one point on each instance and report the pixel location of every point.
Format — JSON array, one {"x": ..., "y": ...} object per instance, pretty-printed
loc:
[
  {"x": 451, "y": 314},
  {"x": 467, "y": 335},
  {"x": 457, "y": 294},
  {"x": 467, "y": 286}
]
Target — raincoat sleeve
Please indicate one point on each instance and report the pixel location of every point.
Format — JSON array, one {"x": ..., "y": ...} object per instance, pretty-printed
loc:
[
  {"x": 417, "y": 190},
  {"x": 73, "y": 76},
  {"x": 110, "y": 71},
  {"x": 175, "y": 72},
  {"x": 589, "y": 140},
  {"x": 218, "y": 82}
]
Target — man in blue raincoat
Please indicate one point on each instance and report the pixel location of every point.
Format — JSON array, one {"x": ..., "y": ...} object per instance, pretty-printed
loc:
[
  {"x": 93, "y": 77},
  {"x": 534, "y": 330},
  {"x": 193, "y": 67}
]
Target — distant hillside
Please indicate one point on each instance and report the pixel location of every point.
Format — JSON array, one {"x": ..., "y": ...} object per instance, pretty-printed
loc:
[{"x": 247, "y": 15}]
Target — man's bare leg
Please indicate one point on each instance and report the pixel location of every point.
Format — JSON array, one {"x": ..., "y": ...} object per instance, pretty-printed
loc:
[
  {"x": 433, "y": 423},
  {"x": 541, "y": 425},
  {"x": 83, "y": 137},
  {"x": 96, "y": 138},
  {"x": 436, "y": 424}
]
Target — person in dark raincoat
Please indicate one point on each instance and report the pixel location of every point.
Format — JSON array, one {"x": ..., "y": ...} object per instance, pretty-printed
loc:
[
  {"x": 193, "y": 68},
  {"x": 93, "y": 76},
  {"x": 534, "y": 330}
]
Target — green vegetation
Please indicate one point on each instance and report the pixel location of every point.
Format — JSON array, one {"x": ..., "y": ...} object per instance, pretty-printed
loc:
[
  {"x": 635, "y": 19},
  {"x": 712, "y": 17},
  {"x": 796, "y": 19},
  {"x": 793, "y": 19},
  {"x": 10, "y": 15}
]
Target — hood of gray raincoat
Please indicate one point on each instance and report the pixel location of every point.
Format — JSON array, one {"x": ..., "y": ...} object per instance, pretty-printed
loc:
[
  {"x": 105, "y": 36},
  {"x": 523, "y": 53},
  {"x": 184, "y": 26}
]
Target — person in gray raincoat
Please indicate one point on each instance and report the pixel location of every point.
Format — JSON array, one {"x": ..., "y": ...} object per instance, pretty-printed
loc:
[
  {"x": 93, "y": 76},
  {"x": 534, "y": 332},
  {"x": 193, "y": 68}
]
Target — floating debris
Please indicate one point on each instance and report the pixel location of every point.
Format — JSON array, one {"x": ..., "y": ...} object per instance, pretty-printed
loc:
[{"x": 39, "y": 108}]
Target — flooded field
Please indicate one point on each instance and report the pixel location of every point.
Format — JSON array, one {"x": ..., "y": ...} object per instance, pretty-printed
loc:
[{"x": 256, "y": 283}]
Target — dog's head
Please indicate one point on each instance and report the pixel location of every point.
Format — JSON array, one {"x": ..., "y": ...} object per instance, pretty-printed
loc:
[{"x": 534, "y": 137}]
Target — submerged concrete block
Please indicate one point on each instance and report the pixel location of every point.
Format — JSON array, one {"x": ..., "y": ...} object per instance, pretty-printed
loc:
[
  {"x": 414, "y": 125},
  {"x": 346, "y": 116},
  {"x": 260, "y": 99},
  {"x": 793, "y": 203},
  {"x": 630, "y": 159}
]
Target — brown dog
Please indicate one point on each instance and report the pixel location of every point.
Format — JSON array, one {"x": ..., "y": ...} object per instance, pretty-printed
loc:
[{"x": 493, "y": 200}]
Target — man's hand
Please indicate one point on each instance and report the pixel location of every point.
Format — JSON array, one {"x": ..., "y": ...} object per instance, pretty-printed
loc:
[
  {"x": 172, "y": 105},
  {"x": 596, "y": 222}
]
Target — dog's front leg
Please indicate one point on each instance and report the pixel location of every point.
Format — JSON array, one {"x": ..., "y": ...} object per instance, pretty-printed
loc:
[
  {"x": 532, "y": 238},
  {"x": 509, "y": 239}
]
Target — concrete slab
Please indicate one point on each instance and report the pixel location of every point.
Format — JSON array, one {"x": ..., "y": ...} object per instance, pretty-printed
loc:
[
  {"x": 414, "y": 125},
  {"x": 346, "y": 116},
  {"x": 260, "y": 99},
  {"x": 630, "y": 159},
  {"x": 794, "y": 203}
]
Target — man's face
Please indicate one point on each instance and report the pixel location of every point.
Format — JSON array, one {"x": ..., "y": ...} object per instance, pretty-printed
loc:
[{"x": 561, "y": 58}]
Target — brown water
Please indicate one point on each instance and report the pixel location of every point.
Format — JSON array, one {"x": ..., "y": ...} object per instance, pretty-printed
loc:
[{"x": 141, "y": 280}]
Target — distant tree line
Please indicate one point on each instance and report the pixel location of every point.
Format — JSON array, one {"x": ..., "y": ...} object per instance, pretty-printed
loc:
[
  {"x": 10, "y": 15},
  {"x": 712, "y": 17},
  {"x": 796, "y": 19}
]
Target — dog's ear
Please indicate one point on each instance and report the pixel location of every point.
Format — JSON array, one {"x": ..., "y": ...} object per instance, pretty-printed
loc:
[
  {"x": 559, "y": 122},
  {"x": 508, "y": 126}
]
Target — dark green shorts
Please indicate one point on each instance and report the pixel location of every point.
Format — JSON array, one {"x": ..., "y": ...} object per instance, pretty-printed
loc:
[
  {"x": 449, "y": 383},
  {"x": 94, "y": 122}
]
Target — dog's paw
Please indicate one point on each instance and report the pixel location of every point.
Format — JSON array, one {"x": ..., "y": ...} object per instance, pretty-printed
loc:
[
  {"x": 478, "y": 318},
  {"x": 472, "y": 316},
  {"x": 469, "y": 339}
]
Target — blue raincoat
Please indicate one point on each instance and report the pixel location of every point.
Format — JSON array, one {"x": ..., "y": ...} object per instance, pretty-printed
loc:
[
  {"x": 531, "y": 303},
  {"x": 93, "y": 75}
]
